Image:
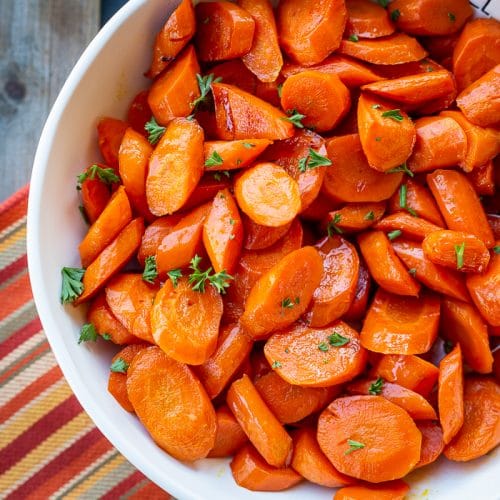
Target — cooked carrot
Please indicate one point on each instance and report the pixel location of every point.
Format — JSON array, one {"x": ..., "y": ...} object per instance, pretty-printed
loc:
[
  {"x": 352, "y": 433},
  {"x": 318, "y": 210},
  {"x": 309, "y": 31},
  {"x": 235, "y": 73},
  {"x": 411, "y": 372},
  {"x": 480, "y": 432},
  {"x": 258, "y": 237},
  {"x": 233, "y": 346},
  {"x": 109, "y": 136},
  {"x": 173, "y": 37},
  {"x": 223, "y": 31},
  {"x": 412, "y": 227},
  {"x": 336, "y": 291},
  {"x": 476, "y": 51},
  {"x": 390, "y": 490},
  {"x": 483, "y": 179},
  {"x": 175, "y": 167},
  {"x": 330, "y": 104},
  {"x": 456, "y": 250},
  {"x": 367, "y": 20},
  {"x": 270, "y": 91},
  {"x": 386, "y": 134},
  {"x": 401, "y": 325},
  {"x": 311, "y": 463},
  {"x": 494, "y": 223},
  {"x": 358, "y": 306},
  {"x": 206, "y": 189},
  {"x": 174, "y": 91},
  {"x": 139, "y": 112},
  {"x": 267, "y": 194},
  {"x": 441, "y": 142},
  {"x": 185, "y": 322},
  {"x": 395, "y": 71},
  {"x": 316, "y": 357},
  {"x": 230, "y": 436},
  {"x": 117, "y": 381},
  {"x": 394, "y": 49},
  {"x": 95, "y": 197},
  {"x": 440, "y": 279},
  {"x": 241, "y": 115},
  {"x": 384, "y": 265},
  {"x": 163, "y": 392},
  {"x": 281, "y": 296},
  {"x": 230, "y": 155},
  {"x": 460, "y": 205},
  {"x": 111, "y": 259},
  {"x": 432, "y": 442},
  {"x": 259, "y": 424},
  {"x": 351, "y": 179},
  {"x": 462, "y": 323},
  {"x": 355, "y": 217},
  {"x": 441, "y": 48},
  {"x": 252, "y": 472}
]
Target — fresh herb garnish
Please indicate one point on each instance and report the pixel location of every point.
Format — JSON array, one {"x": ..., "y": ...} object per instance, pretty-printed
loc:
[
  {"x": 413, "y": 271},
  {"x": 452, "y": 17},
  {"x": 154, "y": 130},
  {"x": 401, "y": 168},
  {"x": 337, "y": 340},
  {"x": 378, "y": 139},
  {"x": 150, "y": 272},
  {"x": 353, "y": 38},
  {"x": 313, "y": 160},
  {"x": 394, "y": 234},
  {"x": 248, "y": 145},
  {"x": 198, "y": 278},
  {"x": 88, "y": 333},
  {"x": 383, "y": 3},
  {"x": 175, "y": 275},
  {"x": 369, "y": 215},
  {"x": 119, "y": 365},
  {"x": 376, "y": 106},
  {"x": 106, "y": 336},
  {"x": 496, "y": 249},
  {"x": 105, "y": 175},
  {"x": 276, "y": 364},
  {"x": 323, "y": 346},
  {"x": 72, "y": 286},
  {"x": 459, "y": 252},
  {"x": 218, "y": 175},
  {"x": 376, "y": 387},
  {"x": 402, "y": 196},
  {"x": 205, "y": 85},
  {"x": 279, "y": 88},
  {"x": 393, "y": 114},
  {"x": 395, "y": 15},
  {"x": 353, "y": 446},
  {"x": 214, "y": 160},
  {"x": 295, "y": 118},
  {"x": 332, "y": 227},
  {"x": 288, "y": 303}
]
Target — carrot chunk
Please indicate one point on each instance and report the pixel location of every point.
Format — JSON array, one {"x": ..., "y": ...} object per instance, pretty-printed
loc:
[
  {"x": 230, "y": 155},
  {"x": 230, "y": 436},
  {"x": 432, "y": 442},
  {"x": 109, "y": 136},
  {"x": 390, "y": 490},
  {"x": 367, "y": 20}
]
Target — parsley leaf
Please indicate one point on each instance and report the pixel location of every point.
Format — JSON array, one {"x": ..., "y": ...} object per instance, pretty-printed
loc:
[
  {"x": 175, "y": 275},
  {"x": 288, "y": 303},
  {"x": 154, "y": 130},
  {"x": 353, "y": 446},
  {"x": 119, "y": 365},
  {"x": 198, "y": 278},
  {"x": 248, "y": 145},
  {"x": 337, "y": 340},
  {"x": 276, "y": 364},
  {"x": 214, "y": 160},
  {"x": 105, "y": 175},
  {"x": 88, "y": 333},
  {"x": 332, "y": 225},
  {"x": 369, "y": 215},
  {"x": 402, "y": 196},
  {"x": 401, "y": 168},
  {"x": 395, "y": 15},
  {"x": 413, "y": 271},
  {"x": 323, "y": 346},
  {"x": 279, "y": 88},
  {"x": 150, "y": 272},
  {"x": 394, "y": 234},
  {"x": 353, "y": 38},
  {"x": 383, "y": 3},
  {"x": 313, "y": 160},
  {"x": 205, "y": 85},
  {"x": 106, "y": 336},
  {"x": 496, "y": 249},
  {"x": 295, "y": 118},
  {"x": 393, "y": 114},
  {"x": 72, "y": 286},
  {"x": 376, "y": 387},
  {"x": 459, "y": 251},
  {"x": 218, "y": 175},
  {"x": 376, "y": 106},
  {"x": 451, "y": 17}
]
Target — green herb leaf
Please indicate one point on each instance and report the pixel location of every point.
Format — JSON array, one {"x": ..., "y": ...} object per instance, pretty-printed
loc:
[
  {"x": 323, "y": 346},
  {"x": 376, "y": 387},
  {"x": 313, "y": 160},
  {"x": 72, "y": 286},
  {"x": 248, "y": 145},
  {"x": 496, "y": 249},
  {"x": 154, "y": 130},
  {"x": 353, "y": 38},
  {"x": 378, "y": 139},
  {"x": 394, "y": 234},
  {"x": 429, "y": 69},
  {"x": 401, "y": 168},
  {"x": 452, "y": 17},
  {"x": 175, "y": 275},
  {"x": 337, "y": 340},
  {"x": 279, "y": 88},
  {"x": 106, "y": 336},
  {"x": 395, "y": 15},
  {"x": 150, "y": 272},
  {"x": 411, "y": 211},
  {"x": 288, "y": 303},
  {"x": 205, "y": 85},
  {"x": 214, "y": 160},
  {"x": 105, "y": 175},
  {"x": 459, "y": 252},
  {"x": 369, "y": 215},
  {"x": 413, "y": 271},
  {"x": 88, "y": 333},
  {"x": 206, "y": 20},
  {"x": 332, "y": 227},
  {"x": 276, "y": 364},
  {"x": 119, "y": 365},
  {"x": 393, "y": 114},
  {"x": 402, "y": 196},
  {"x": 198, "y": 278},
  {"x": 353, "y": 446},
  {"x": 295, "y": 118},
  {"x": 376, "y": 106}
]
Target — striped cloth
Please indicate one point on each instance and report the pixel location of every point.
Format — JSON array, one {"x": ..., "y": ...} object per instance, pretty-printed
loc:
[{"x": 49, "y": 447}]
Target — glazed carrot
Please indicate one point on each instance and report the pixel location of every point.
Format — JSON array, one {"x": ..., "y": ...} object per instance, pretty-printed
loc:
[
  {"x": 426, "y": 17},
  {"x": 483, "y": 179},
  {"x": 395, "y": 71},
  {"x": 401, "y": 325},
  {"x": 175, "y": 167},
  {"x": 104, "y": 230},
  {"x": 413, "y": 403},
  {"x": 441, "y": 48},
  {"x": 412, "y": 227},
  {"x": 476, "y": 51},
  {"x": 358, "y": 306},
  {"x": 479, "y": 101},
  {"x": 252, "y": 472},
  {"x": 355, "y": 217},
  {"x": 162, "y": 392},
  {"x": 462, "y": 323},
  {"x": 130, "y": 300},
  {"x": 384, "y": 265},
  {"x": 331, "y": 99},
  {"x": 111, "y": 259},
  {"x": 316, "y": 357},
  {"x": 267, "y": 194},
  {"x": 450, "y": 394},
  {"x": 259, "y": 424},
  {"x": 185, "y": 322},
  {"x": 173, "y": 37},
  {"x": 235, "y": 73},
  {"x": 351, "y": 179},
  {"x": 336, "y": 291},
  {"x": 456, "y": 250},
  {"x": 241, "y": 115},
  {"x": 367, "y": 20},
  {"x": 206, "y": 189},
  {"x": 109, "y": 136},
  {"x": 95, "y": 197},
  {"x": 352, "y": 434},
  {"x": 390, "y": 490},
  {"x": 311, "y": 463},
  {"x": 459, "y": 204},
  {"x": 139, "y": 112},
  {"x": 233, "y": 346},
  {"x": 230, "y": 436},
  {"x": 432, "y": 442},
  {"x": 224, "y": 31},
  {"x": 117, "y": 381},
  {"x": 318, "y": 210},
  {"x": 411, "y": 372},
  {"x": 440, "y": 279},
  {"x": 480, "y": 432},
  {"x": 386, "y": 134},
  {"x": 230, "y": 155},
  {"x": 494, "y": 222},
  {"x": 281, "y": 296},
  {"x": 309, "y": 31},
  {"x": 258, "y": 237},
  {"x": 174, "y": 91},
  {"x": 270, "y": 91},
  {"x": 394, "y": 49}
]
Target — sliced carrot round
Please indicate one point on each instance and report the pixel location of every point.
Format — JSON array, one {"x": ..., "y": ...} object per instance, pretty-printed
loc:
[
  {"x": 258, "y": 237},
  {"x": 355, "y": 217},
  {"x": 367, "y": 20},
  {"x": 432, "y": 442},
  {"x": 390, "y": 490},
  {"x": 230, "y": 436}
]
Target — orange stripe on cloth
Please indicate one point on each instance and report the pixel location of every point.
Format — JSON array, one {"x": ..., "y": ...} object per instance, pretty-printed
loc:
[
  {"x": 14, "y": 295},
  {"x": 13, "y": 208}
]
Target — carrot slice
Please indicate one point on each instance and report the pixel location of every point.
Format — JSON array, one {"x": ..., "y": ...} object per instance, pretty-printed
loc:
[
  {"x": 230, "y": 155},
  {"x": 185, "y": 322},
  {"x": 139, "y": 112},
  {"x": 352, "y": 431},
  {"x": 281, "y": 296},
  {"x": 355, "y": 217},
  {"x": 109, "y": 137},
  {"x": 494, "y": 223},
  {"x": 316, "y": 357},
  {"x": 259, "y": 424},
  {"x": 318, "y": 210},
  {"x": 411, "y": 226},
  {"x": 483, "y": 179},
  {"x": 363, "y": 287},
  {"x": 480, "y": 432},
  {"x": 401, "y": 325},
  {"x": 235, "y": 73},
  {"x": 223, "y": 31},
  {"x": 206, "y": 189},
  {"x": 308, "y": 30},
  {"x": 463, "y": 324},
  {"x": 384, "y": 265},
  {"x": 259, "y": 237},
  {"x": 390, "y": 490},
  {"x": 241, "y": 115},
  {"x": 441, "y": 48},
  {"x": 230, "y": 436},
  {"x": 95, "y": 197},
  {"x": 267, "y": 194},
  {"x": 395, "y": 71},
  {"x": 351, "y": 179},
  {"x": 336, "y": 291},
  {"x": 162, "y": 392},
  {"x": 432, "y": 442},
  {"x": 387, "y": 134},
  {"x": 394, "y": 49},
  {"x": 460, "y": 205},
  {"x": 253, "y": 473},
  {"x": 175, "y": 167},
  {"x": 367, "y": 20}
]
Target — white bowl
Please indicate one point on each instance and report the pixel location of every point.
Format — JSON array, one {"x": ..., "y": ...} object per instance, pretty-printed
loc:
[{"x": 103, "y": 82}]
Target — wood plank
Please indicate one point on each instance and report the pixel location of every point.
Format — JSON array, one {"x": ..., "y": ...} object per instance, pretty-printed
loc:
[{"x": 40, "y": 41}]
